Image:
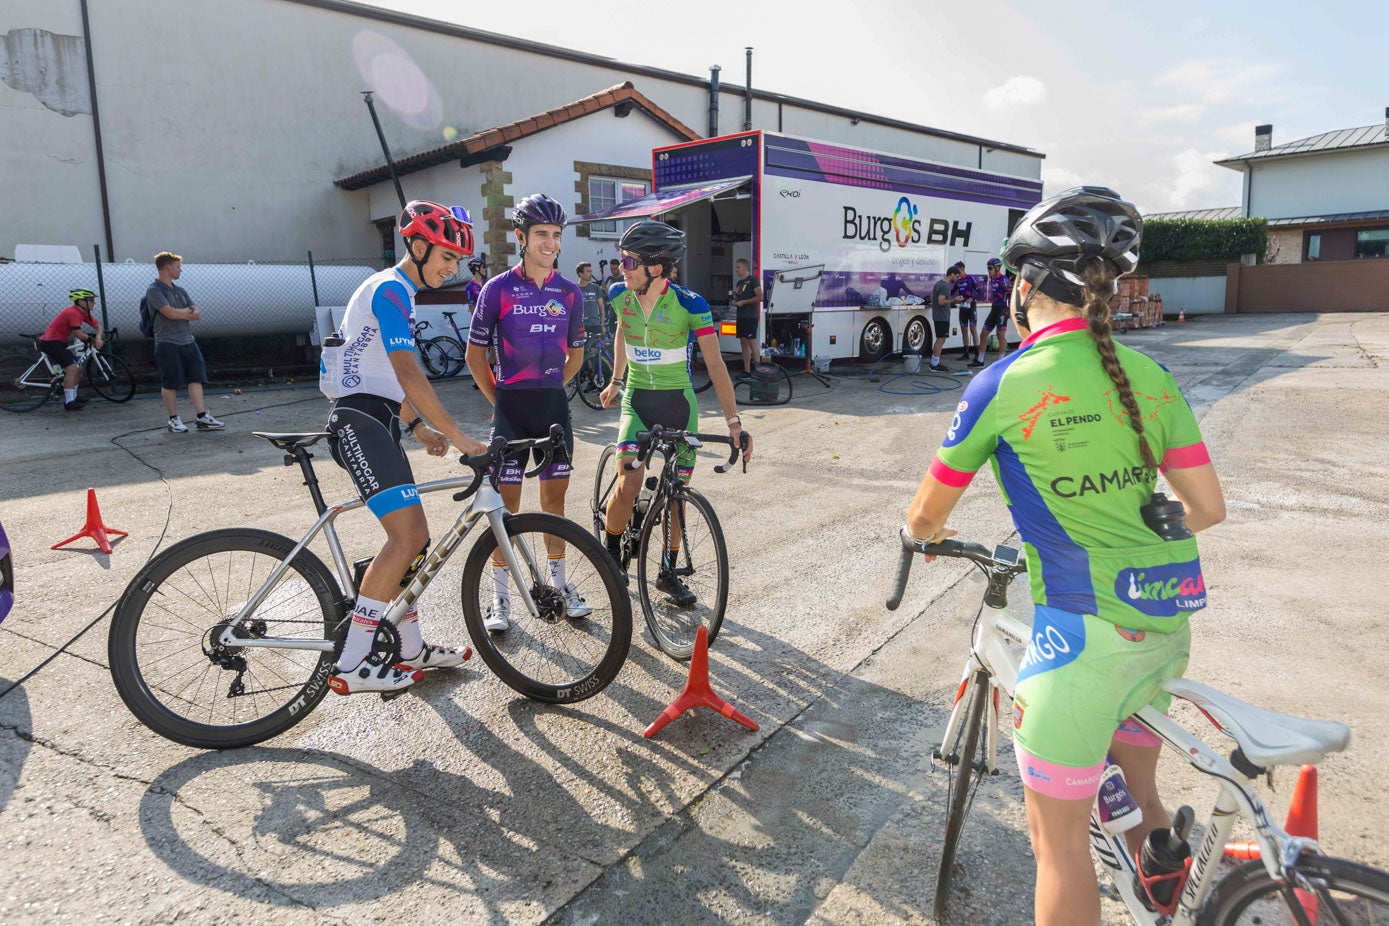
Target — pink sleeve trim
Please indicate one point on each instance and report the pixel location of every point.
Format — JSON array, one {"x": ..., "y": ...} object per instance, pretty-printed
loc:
[
  {"x": 701, "y": 332},
  {"x": 947, "y": 475},
  {"x": 1186, "y": 457}
]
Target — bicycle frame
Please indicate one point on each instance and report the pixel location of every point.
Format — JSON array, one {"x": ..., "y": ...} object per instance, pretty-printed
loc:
[
  {"x": 996, "y": 634},
  {"x": 487, "y": 503}
]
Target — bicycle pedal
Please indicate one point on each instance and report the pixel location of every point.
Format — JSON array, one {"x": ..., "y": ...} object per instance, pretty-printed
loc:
[{"x": 392, "y": 695}]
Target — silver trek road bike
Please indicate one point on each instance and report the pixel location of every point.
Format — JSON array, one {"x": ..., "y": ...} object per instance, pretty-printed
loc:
[
  {"x": 229, "y": 638},
  {"x": 1292, "y": 882}
]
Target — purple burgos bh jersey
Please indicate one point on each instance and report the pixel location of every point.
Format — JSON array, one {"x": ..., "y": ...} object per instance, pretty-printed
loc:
[{"x": 530, "y": 327}]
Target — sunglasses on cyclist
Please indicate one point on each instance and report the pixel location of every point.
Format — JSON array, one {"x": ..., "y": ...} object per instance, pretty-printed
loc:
[{"x": 631, "y": 263}]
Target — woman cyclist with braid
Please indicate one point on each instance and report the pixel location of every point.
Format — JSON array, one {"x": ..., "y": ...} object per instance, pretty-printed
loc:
[{"x": 1076, "y": 429}]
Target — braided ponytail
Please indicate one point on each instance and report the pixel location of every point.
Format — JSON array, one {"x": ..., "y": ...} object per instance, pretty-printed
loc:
[{"x": 1099, "y": 277}]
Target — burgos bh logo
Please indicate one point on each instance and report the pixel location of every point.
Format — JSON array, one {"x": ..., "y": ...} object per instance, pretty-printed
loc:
[
  {"x": 904, "y": 223},
  {"x": 554, "y": 308}
]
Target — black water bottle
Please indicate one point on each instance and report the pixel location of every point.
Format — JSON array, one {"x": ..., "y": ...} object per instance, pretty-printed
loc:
[
  {"x": 1166, "y": 517},
  {"x": 1166, "y": 852}
]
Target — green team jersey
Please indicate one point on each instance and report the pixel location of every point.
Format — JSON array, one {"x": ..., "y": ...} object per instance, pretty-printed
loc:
[
  {"x": 1050, "y": 422},
  {"x": 657, "y": 348}
]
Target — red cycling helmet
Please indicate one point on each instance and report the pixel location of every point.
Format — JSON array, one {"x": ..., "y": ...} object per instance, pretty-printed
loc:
[{"x": 438, "y": 225}]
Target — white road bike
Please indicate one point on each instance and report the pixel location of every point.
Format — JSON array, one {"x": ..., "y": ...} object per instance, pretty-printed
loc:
[{"x": 1291, "y": 882}]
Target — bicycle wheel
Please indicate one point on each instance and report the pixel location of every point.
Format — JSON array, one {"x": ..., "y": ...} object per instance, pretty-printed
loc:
[
  {"x": 966, "y": 754},
  {"x": 110, "y": 377},
  {"x": 28, "y": 393},
  {"x": 604, "y": 484},
  {"x": 434, "y": 357},
  {"x": 592, "y": 379},
  {"x": 682, "y": 543},
  {"x": 699, "y": 369},
  {"x": 1345, "y": 892},
  {"x": 552, "y": 657},
  {"x": 188, "y": 688},
  {"x": 769, "y": 384},
  {"x": 451, "y": 351}
]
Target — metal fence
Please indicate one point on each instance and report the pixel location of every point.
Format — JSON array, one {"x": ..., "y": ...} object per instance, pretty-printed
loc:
[{"x": 257, "y": 314}]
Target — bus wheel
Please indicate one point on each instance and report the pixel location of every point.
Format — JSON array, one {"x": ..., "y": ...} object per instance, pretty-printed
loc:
[
  {"x": 918, "y": 333},
  {"x": 875, "y": 341}
]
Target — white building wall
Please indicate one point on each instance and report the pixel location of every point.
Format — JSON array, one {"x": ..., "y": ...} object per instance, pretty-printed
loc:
[
  {"x": 1347, "y": 181},
  {"x": 226, "y": 123}
]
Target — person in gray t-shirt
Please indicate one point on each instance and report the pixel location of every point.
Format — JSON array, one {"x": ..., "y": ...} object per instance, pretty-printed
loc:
[
  {"x": 595, "y": 302},
  {"x": 176, "y": 353},
  {"x": 941, "y": 303}
]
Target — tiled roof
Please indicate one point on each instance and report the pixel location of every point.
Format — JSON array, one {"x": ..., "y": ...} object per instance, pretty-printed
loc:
[
  {"x": 1365, "y": 136},
  {"x": 1229, "y": 212},
  {"x": 514, "y": 131}
]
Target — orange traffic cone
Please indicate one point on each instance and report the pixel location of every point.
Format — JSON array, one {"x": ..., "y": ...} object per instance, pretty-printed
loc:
[
  {"x": 1181, "y": 315},
  {"x": 93, "y": 528},
  {"x": 1302, "y": 815},
  {"x": 698, "y": 692}
]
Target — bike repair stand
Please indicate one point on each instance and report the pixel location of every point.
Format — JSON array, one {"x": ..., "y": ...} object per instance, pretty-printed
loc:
[
  {"x": 698, "y": 692},
  {"x": 93, "y": 528}
]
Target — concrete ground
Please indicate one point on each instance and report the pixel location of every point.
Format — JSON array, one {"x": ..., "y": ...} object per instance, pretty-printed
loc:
[{"x": 464, "y": 800}]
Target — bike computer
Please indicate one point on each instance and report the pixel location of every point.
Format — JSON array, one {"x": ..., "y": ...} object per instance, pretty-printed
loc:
[{"x": 1007, "y": 555}]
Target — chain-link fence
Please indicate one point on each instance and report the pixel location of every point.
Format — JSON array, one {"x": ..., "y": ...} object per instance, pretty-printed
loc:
[{"x": 256, "y": 316}]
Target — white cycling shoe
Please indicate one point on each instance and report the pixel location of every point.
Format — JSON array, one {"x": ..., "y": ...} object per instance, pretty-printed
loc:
[
  {"x": 574, "y": 603},
  {"x": 498, "y": 617},
  {"x": 367, "y": 677},
  {"x": 437, "y": 657}
]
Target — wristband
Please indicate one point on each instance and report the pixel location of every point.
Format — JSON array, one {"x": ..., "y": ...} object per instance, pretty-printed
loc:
[
  {"x": 736, "y": 418},
  {"x": 410, "y": 428}
]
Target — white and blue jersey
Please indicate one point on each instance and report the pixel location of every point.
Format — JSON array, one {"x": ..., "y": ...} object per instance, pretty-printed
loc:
[{"x": 380, "y": 320}]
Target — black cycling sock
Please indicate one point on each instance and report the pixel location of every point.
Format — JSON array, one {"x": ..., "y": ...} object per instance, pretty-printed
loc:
[{"x": 614, "y": 543}]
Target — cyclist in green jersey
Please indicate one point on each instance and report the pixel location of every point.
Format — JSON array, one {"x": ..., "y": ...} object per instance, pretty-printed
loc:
[
  {"x": 1077, "y": 429},
  {"x": 655, "y": 319}
]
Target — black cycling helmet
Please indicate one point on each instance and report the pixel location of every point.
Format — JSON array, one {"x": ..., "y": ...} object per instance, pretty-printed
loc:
[
  {"x": 538, "y": 209},
  {"x": 1061, "y": 233},
  {"x": 476, "y": 264},
  {"x": 654, "y": 242}
]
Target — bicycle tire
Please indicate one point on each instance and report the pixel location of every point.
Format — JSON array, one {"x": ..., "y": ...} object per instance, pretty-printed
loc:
[
  {"x": 592, "y": 379},
  {"x": 553, "y": 658},
  {"x": 434, "y": 358},
  {"x": 321, "y": 614},
  {"x": 116, "y": 383},
  {"x": 672, "y": 626},
  {"x": 1249, "y": 889},
  {"x": 453, "y": 352},
  {"x": 769, "y": 384},
  {"x": 964, "y": 778},
  {"x": 15, "y": 397},
  {"x": 605, "y": 478}
]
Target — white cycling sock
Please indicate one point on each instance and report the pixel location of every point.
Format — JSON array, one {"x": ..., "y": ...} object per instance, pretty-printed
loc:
[
  {"x": 499, "y": 575},
  {"x": 411, "y": 639},
  {"x": 557, "y": 570},
  {"x": 360, "y": 632},
  {"x": 69, "y": 395}
]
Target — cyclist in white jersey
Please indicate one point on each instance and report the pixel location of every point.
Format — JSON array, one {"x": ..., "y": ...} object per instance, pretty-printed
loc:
[{"x": 370, "y": 371}]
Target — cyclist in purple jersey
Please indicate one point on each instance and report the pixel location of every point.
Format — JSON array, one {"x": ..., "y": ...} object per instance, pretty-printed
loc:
[
  {"x": 968, "y": 292},
  {"x": 532, "y": 319},
  {"x": 478, "y": 268},
  {"x": 1000, "y": 290}
]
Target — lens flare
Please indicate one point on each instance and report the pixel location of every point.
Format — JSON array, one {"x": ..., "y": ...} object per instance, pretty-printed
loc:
[{"x": 397, "y": 81}]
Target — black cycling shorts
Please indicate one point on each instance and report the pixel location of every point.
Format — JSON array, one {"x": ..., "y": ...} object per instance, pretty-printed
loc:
[
  {"x": 364, "y": 438},
  {"x": 523, "y": 414},
  {"x": 997, "y": 320},
  {"x": 58, "y": 352},
  {"x": 968, "y": 315}
]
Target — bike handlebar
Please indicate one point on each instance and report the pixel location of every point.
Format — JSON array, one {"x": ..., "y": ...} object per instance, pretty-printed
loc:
[
  {"x": 647, "y": 440},
  {"x": 500, "y": 448},
  {"x": 956, "y": 549}
]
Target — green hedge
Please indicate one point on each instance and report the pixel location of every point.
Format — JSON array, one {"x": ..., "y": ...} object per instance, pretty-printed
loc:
[{"x": 1204, "y": 239}]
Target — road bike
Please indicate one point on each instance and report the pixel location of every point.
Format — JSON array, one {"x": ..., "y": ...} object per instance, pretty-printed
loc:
[
  {"x": 593, "y": 377},
  {"x": 28, "y": 381},
  {"x": 767, "y": 384},
  {"x": 1261, "y": 891},
  {"x": 454, "y": 347},
  {"x": 440, "y": 355},
  {"x": 674, "y": 536},
  {"x": 229, "y": 638}
]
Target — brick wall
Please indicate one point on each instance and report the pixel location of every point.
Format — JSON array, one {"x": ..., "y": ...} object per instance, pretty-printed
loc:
[{"x": 501, "y": 243}]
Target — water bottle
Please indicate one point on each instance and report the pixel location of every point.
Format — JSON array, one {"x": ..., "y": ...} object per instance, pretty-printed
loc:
[
  {"x": 1118, "y": 811},
  {"x": 656, "y": 462},
  {"x": 1166, "y": 517},
  {"x": 1166, "y": 855}
]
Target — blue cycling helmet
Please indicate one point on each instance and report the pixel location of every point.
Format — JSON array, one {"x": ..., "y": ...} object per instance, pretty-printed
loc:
[{"x": 538, "y": 209}]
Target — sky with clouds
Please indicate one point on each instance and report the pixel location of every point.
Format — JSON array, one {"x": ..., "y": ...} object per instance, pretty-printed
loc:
[{"x": 1138, "y": 96}]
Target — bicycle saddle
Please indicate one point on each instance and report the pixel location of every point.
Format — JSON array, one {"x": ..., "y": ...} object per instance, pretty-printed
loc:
[
  {"x": 287, "y": 442},
  {"x": 1267, "y": 737}
]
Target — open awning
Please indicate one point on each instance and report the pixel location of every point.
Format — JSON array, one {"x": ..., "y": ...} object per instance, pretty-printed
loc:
[{"x": 668, "y": 200}]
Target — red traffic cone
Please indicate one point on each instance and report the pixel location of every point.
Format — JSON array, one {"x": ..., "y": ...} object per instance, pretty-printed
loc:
[
  {"x": 93, "y": 528},
  {"x": 698, "y": 692},
  {"x": 1181, "y": 315}
]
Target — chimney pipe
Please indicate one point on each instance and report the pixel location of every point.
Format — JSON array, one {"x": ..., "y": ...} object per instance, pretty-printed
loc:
[
  {"x": 1263, "y": 137},
  {"x": 1386, "y": 122},
  {"x": 747, "y": 99},
  {"x": 714, "y": 100}
]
